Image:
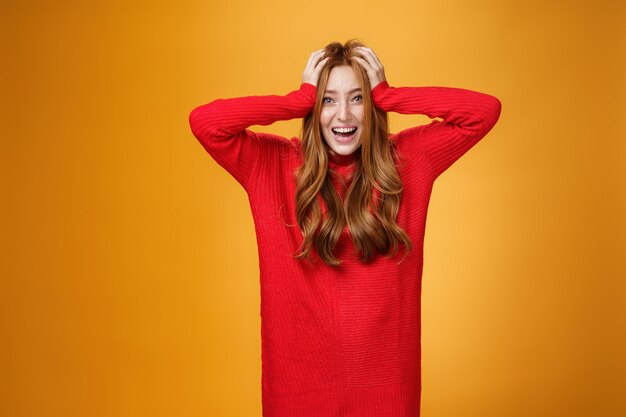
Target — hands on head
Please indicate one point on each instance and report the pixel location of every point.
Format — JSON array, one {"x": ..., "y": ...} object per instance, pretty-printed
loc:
[
  {"x": 314, "y": 67},
  {"x": 368, "y": 60}
]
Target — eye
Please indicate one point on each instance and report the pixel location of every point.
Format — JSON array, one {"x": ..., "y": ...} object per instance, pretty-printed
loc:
[
  {"x": 327, "y": 100},
  {"x": 358, "y": 98}
]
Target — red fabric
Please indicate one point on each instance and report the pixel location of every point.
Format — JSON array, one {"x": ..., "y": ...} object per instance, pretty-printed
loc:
[{"x": 339, "y": 341}]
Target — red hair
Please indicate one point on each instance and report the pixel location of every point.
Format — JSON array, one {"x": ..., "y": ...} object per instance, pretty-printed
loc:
[{"x": 371, "y": 221}]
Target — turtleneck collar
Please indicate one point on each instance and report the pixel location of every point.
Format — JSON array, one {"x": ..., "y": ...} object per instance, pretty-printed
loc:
[{"x": 335, "y": 159}]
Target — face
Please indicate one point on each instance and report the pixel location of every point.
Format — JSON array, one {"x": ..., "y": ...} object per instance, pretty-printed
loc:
[{"x": 341, "y": 118}]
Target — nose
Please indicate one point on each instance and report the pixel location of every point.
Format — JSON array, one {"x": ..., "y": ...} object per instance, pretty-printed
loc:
[{"x": 343, "y": 112}]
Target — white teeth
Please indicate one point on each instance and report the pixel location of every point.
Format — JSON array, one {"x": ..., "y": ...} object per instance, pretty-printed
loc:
[{"x": 344, "y": 129}]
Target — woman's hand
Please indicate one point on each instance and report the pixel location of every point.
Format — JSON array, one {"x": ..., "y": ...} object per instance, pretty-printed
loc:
[
  {"x": 371, "y": 64},
  {"x": 314, "y": 67}
]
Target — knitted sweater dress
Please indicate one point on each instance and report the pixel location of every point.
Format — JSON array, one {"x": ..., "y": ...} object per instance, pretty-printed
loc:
[{"x": 340, "y": 341}]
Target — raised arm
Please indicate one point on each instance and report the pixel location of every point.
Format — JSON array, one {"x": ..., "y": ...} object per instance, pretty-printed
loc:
[
  {"x": 467, "y": 116},
  {"x": 221, "y": 125}
]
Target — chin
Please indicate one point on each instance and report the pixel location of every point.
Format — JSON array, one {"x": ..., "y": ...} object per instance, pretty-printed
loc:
[
  {"x": 343, "y": 149},
  {"x": 344, "y": 152}
]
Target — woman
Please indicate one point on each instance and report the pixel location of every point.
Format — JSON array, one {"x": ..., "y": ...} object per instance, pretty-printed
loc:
[{"x": 340, "y": 217}]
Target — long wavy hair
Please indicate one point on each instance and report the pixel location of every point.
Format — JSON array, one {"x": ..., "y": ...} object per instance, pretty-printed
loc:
[{"x": 371, "y": 203}]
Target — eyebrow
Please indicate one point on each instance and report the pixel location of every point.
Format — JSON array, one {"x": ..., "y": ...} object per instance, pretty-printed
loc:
[{"x": 354, "y": 90}]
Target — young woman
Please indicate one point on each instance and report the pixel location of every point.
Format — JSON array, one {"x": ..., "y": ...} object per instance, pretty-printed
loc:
[{"x": 340, "y": 217}]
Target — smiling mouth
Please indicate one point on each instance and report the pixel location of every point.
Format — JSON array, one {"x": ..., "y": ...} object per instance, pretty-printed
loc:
[{"x": 344, "y": 133}]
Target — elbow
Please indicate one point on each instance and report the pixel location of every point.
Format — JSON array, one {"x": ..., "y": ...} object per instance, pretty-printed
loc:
[
  {"x": 195, "y": 124},
  {"x": 496, "y": 109},
  {"x": 203, "y": 124},
  {"x": 493, "y": 109},
  {"x": 207, "y": 127}
]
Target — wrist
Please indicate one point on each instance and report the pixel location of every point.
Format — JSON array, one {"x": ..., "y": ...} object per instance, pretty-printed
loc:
[
  {"x": 379, "y": 91},
  {"x": 309, "y": 90}
]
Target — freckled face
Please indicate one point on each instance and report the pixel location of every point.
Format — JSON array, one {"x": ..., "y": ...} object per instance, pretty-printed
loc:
[{"x": 341, "y": 119}]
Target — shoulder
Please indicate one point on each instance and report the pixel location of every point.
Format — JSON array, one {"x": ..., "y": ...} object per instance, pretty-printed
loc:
[{"x": 408, "y": 140}]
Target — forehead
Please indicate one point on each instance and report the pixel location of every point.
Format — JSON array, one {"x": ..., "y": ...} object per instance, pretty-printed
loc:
[{"x": 342, "y": 78}]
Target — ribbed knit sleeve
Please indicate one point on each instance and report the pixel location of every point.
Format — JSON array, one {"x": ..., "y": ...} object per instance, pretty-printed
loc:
[
  {"x": 221, "y": 125},
  {"x": 467, "y": 116}
]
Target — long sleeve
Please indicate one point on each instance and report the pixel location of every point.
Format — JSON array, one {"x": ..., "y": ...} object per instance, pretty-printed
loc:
[
  {"x": 467, "y": 116},
  {"x": 221, "y": 125}
]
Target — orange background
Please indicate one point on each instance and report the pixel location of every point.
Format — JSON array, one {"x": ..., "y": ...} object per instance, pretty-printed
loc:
[{"x": 129, "y": 279}]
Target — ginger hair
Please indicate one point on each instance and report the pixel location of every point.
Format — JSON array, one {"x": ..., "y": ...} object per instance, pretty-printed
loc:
[{"x": 371, "y": 203}]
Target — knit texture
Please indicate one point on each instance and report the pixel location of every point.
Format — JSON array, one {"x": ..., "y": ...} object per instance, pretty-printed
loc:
[{"x": 340, "y": 341}]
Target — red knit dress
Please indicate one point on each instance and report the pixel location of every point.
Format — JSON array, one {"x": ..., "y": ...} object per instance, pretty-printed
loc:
[{"x": 339, "y": 341}]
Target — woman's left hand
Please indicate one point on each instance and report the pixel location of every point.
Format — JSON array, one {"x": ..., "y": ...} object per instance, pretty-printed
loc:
[{"x": 372, "y": 65}]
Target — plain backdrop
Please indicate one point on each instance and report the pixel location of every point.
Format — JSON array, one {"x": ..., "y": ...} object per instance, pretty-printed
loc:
[{"x": 129, "y": 282}]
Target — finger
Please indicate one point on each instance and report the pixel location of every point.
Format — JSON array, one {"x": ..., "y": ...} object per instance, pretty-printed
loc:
[
  {"x": 316, "y": 54},
  {"x": 313, "y": 58},
  {"x": 368, "y": 63},
  {"x": 364, "y": 63},
  {"x": 321, "y": 64},
  {"x": 375, "y": 57},
  {"x": 371, "y": 57},
  {"x": 363, "y": 52},
  {"x": 318, "y": 69}
]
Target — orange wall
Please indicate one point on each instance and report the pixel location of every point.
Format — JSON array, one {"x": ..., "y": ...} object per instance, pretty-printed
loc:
[{"x": 129, "y": 279}]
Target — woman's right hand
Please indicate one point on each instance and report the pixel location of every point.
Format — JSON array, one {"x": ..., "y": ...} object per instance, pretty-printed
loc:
[{"x": 314, "y": 67}]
